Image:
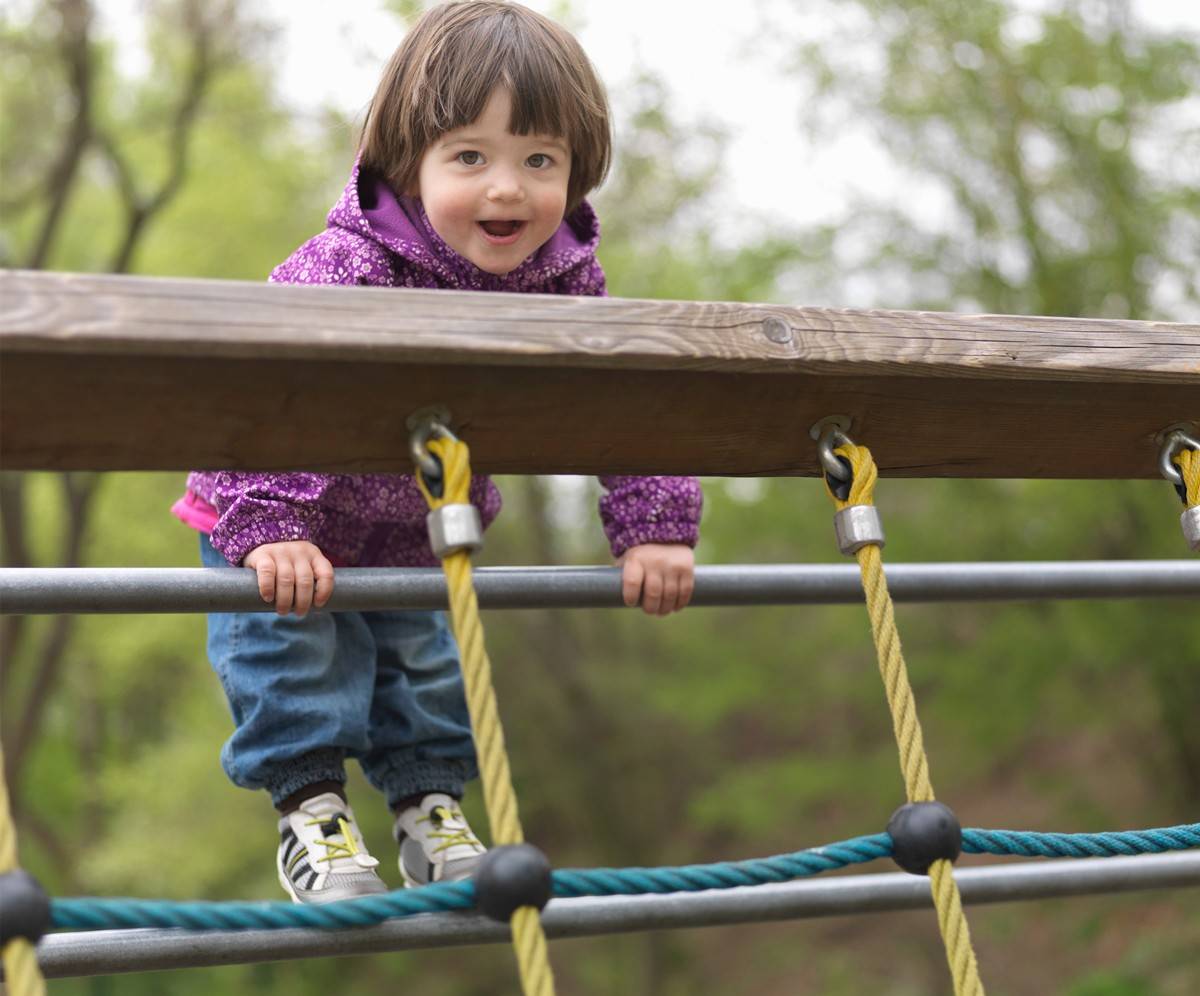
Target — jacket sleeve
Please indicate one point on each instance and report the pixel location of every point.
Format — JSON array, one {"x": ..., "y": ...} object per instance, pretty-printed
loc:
[
  {"x": 254, "y": 509},
  {"x": 257, "y": 508},
  {"x": 639, "y": 510}
]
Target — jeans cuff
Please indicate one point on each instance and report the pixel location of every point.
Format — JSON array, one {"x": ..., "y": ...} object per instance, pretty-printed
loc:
[
  {"x": 325, "y": 765},
  {"x": 422, "y": 777}
]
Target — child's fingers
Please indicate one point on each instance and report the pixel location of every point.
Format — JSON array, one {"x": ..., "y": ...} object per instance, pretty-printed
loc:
[
  {"x": 670, "y": 595},
  {"x": 304, "y": 587},
  {"x": 323, "y": 575},
  {"x": 687, "y": 587},
  {"x": 285, "y": 586},
  {"x": 632, "y": 574},
  {"x": 652, "y": 593},
  {"x": 264, "y": 569},
  {"x": 292, "y": 575}
]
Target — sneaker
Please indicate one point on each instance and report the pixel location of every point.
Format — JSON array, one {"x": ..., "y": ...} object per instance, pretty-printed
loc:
[
  {"x": 436, "y": 842},
  {"x": 322, "y": 857}
]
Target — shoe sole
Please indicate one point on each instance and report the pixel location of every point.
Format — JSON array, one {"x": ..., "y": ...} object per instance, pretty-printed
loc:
[{"x": 291, "y": 891}]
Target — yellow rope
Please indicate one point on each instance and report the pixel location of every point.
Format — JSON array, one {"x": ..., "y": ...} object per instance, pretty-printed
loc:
[
  {"x": 529, "y": 941},
  {"x": 1188, "y": 462},
  {"x": 952, "y": 922},
  {"x": 22, "y": 975}
]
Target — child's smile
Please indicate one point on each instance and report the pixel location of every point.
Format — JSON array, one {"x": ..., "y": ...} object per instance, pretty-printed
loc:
[
  {"x": 495, "y": 197},
  {"x": 501, "y": 233}
]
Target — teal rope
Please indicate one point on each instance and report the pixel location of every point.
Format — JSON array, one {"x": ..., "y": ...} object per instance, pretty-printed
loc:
[
  {"x": 724, "y": 875},
  {"x": 1029, "y": 844},
  {"x": 366, "y": 911},
  {"x": 105, "y": 914}
]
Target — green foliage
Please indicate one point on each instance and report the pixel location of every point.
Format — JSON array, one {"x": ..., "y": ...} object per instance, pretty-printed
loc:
[
  {"x": 261, "y": 184},
  {"x": 1056, "y": 139}
]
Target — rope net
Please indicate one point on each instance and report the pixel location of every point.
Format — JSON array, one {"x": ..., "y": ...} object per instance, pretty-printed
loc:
[
  {"x": 500, "y": 800},
  {"x": 914, "y": 766}
]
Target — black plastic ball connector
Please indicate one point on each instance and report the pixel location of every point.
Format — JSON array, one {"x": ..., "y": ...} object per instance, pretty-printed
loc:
[
  {"x": 510, "y": 877},
  {"x": 922, "y": 833},
  {"x": 24, "y": 907}
]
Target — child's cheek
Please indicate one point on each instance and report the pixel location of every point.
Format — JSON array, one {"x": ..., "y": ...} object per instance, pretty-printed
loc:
[
  {"x": 552, "y": 205},
  {"x": 460, "y": 208}
]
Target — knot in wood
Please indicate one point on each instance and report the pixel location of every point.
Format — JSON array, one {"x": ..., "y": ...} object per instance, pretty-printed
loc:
[{"x": 777, "y": 330}]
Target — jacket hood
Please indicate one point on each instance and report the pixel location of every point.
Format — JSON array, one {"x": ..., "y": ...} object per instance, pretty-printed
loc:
[{"x": 369, "y": 208}]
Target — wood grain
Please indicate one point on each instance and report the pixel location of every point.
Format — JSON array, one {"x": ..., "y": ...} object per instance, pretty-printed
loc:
[{"x": 102, "y": 372}]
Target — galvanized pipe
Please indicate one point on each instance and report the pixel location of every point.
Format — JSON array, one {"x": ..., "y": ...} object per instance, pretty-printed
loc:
[
  {"x": 141, "y": 590},
  {"x": 110, "y": 951}
]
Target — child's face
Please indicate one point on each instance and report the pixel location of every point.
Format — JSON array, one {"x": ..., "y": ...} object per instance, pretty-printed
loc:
[{"x": 493, "y": 196}]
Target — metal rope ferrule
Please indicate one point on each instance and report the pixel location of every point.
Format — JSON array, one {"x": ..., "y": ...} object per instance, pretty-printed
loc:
[
  {"x": 454, "y": 528},
  {"x": 1189, "y": 522},
  {"x": 857, "y": 526}
]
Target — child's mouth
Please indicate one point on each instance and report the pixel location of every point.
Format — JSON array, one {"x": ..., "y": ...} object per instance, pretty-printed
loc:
[{"x": 501, "y": 233}]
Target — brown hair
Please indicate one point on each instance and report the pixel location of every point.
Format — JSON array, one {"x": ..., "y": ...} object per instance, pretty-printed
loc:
[{"x": 441, "y": 76}]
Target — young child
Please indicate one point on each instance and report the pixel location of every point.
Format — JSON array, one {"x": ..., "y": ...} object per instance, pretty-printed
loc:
[{"x": 488, "y": 128}]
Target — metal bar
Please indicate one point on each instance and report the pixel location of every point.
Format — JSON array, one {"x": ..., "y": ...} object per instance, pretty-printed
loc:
[
  {"x": 142, "y": 590},
  {"x": 111, "y": 951}
]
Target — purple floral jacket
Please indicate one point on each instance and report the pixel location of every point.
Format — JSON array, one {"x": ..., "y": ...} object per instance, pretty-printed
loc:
[{"x": 377, "y": 239}]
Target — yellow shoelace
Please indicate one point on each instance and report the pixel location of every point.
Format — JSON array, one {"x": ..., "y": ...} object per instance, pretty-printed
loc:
[
  {"x": 334, "y": 849},
  {"x": 439, "y": 815}
]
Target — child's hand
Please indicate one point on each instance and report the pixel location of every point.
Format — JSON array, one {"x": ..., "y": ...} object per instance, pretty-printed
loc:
[
  {"x": 661, "y": 574},
  {"x": 294, "y": 574}
]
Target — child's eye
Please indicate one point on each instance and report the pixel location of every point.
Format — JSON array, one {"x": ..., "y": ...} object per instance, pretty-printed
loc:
[
  {"x": 538, "y": 160},
  {"x": 470, "y": 158}
]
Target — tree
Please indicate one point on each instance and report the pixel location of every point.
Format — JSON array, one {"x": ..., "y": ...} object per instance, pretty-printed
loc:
[
  {"x": 102, "y": 158},
  {"x": 1058, "y": 145}
]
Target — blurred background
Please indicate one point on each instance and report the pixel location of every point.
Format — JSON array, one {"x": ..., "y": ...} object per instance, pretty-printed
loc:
[{"x": 1016, "y": 157}]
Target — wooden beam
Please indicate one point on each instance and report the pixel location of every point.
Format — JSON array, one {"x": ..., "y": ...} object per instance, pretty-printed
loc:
[{"x": 107, "y": 373}]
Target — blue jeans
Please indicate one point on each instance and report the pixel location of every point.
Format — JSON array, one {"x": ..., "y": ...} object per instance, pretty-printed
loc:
[{"x": 382, "y": 687}]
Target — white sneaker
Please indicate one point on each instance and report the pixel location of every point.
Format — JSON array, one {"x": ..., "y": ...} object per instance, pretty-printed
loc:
[
  {"x": 436, "y": 842},
  {"x": 322, "y": 857}
]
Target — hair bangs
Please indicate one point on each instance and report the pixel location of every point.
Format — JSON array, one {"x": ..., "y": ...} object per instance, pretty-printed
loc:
[{"x": 538, "y": 104}]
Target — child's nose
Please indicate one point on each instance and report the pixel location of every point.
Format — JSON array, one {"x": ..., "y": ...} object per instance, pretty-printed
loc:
[{"x": 505, "y": 187}]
